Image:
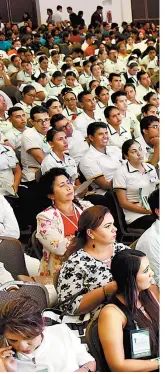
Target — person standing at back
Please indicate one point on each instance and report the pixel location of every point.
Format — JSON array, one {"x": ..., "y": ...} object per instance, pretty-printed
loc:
[
  {"x": 72, "y": 16},
  {"x": 97, "y": 16}
]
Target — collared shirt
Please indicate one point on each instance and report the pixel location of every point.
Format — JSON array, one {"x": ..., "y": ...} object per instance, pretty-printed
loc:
[
  {"x": 96, "y": 164},
  {"x": 71, "y": 115},
  {"x": 77, "y": 145},
  {"x": 25, "y": 107},
  {"x": 8, "y": 162},
  {"x": 83, "y": 80},
  {"x": 53, "y": 90},
  {"x": 116, "y": 138},
  {"x": 5, "y": 124},
  {"x": 8, "y": 225},
  {"x": 53, "y": 161},
  {"x": 83, "y": 120},
  {"x": 24, "y": 77},
  {"x": 146, "y": 148},
  {"x": 114, "y": 67},
  {"x": 141, "y": 91},
  {"x": 77, "y": 89},
  {"x": 129, "y": 121},
  {"x": 131, "y": 180},
  {"x": 11, "y": 70},
  {"x": 103, "y": 81},
  {"x": 14, "y": 137},
  {"x": 135, "y": 108},
  {"x": 149, "y": 243},
  {"x": 32, "y": 139}
]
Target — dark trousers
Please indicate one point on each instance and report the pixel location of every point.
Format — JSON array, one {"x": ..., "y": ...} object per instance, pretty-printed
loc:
[
  {"x": 28, "y": 204},
  {"x": 143, "y": 222}
]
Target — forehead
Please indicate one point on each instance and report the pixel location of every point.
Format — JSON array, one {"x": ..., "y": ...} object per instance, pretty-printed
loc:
[
  {"x": 107, "y": 219},
  {"x": 69, "y": 95},
  {"x": 59, "y": 179},
  {"x": 101, "y": 131},
  {"x": 18, "y": 113},
  {"x": 114, "y": 112},
  {"x": 121, "y": 98},
  {"x": 59, "y": 135},
  {"x": 62, "y": 122},
  {"x": 40, "y": 115},
  {"x": 144, "y": 263},
  {"x": 134, "y": 146}
]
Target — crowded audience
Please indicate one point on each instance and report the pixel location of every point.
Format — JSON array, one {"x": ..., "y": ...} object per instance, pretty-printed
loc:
[{"x": 79, "y": 188}]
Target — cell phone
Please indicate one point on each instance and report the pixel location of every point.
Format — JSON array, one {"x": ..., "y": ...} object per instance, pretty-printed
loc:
[{"x": 6, "y": 342}]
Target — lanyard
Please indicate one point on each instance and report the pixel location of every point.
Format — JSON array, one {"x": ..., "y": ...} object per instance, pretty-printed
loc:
[{"x": 70, "y": 219}]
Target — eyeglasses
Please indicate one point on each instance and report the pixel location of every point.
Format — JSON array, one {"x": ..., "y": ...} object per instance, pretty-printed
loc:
[
  {"x": 65, "y": 126},
  {"x": 42, "y": 121},
  {"x": 71, "y": 99},
  {"x": 154, "y": 127}
]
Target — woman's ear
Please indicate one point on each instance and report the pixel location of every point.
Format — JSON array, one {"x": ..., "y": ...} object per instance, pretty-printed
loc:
[
  {"x": 89, "y": 233},
  {"x": 51, "y": 197}
]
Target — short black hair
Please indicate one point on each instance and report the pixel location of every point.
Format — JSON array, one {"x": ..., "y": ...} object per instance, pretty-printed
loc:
[
  {"x": 130, "y": 85},
  {"x": 47, "y": 180},
  {"x": 94, "y": 126},
  {"x": 140, "y": 74},
  {"x": 126, "y": 146},
  {"x": 59, "y": 7},
  {"x": 28, "y": 88},
  {"x": 112, "y": 75},
  {"x": 117, "y": 94},
  {"x": 13, "y": 58},
  {"x": 69, "y": 8},
  {"x": 99, "y": 7},
  {"x": 37, "y": 109},
  {"x": 146, "y": 122},
  {"x": 146, "y": 107},
  {"x": 82, "y": 94},
  {"x": 108, "y": 110},
  {"x": 57, "y": 74},
  {"x": 51, "y": 133},
  {"x": 153, "y": 201},
  {"x": 56, "y": 118},
  {"x": 14, "y": 109}
]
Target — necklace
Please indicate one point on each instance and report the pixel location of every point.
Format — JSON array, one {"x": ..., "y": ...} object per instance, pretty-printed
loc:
[
  {"x": 68, "y": 219},
  {"x": 107, "y": 259}
]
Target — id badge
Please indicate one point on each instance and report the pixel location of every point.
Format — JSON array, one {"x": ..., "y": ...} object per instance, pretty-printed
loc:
[{"x": 140, "y": 343}]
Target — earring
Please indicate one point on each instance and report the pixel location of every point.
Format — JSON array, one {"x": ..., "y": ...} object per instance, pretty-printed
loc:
[{"x": 93, "y": 245}]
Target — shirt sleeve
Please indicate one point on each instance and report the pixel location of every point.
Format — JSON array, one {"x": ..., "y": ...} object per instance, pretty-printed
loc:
[
  {"x": 9, "y": 226},
  {"x": 119, "y": 180},
  {"x": 30, "y": 142},
  {"x": 79, "y": 349},
  {"x": 90, "y": 168}
]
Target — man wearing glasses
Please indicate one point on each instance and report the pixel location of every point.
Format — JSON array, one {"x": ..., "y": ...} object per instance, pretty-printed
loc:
[
  {"x": 149, "y": 139},
  {"x": 33, "y": 150}
]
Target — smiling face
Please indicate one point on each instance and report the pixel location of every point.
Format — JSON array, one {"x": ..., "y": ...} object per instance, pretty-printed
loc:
[
  {"x": 63, "y": 190},
  {"x": 105, "y": 233},
  {"x": 100, "y": 138},
  {"x": 145, "y": 275},
  {"x": 22, "y": 344}
]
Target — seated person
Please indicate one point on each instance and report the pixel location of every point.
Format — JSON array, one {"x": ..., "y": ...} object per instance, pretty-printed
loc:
[
  {"x": 33, "y": 150},
  {"x": 102, "y": 96},
  {"x": 149, "y": 242},
  {"x": 149, "y": 139},
  {"x": 15, "y": 65},
  {"x": 101, "y": 161},
  {"x": 10, "y": 171},
  {"x": 53, "y": 106},
  {"x": 144, "y": 85},
  {"x": 148, "y": 110},
  {"x": 129, "y": 120},
  {"x": 71, "y": 82},
  {"x": 89, "y": 115},
  {"x": 28, "y": 99},
  {"x": 84, "y": 77},
  {"x": 71, "y": 111},
  {"x": 57, "y": 157},
  {"x": 55, "y": 85},
  {"x": 88, "y": 262},
  {"x": 4, "y": 79},
  {"x": 133, "y": 182},
  {"x": 152, "y": 98},
  {"x": 134, "y": 106},
  {"x": 18, "y": 120},
  {"x": 117, "y": 134},
  {"x": 134, "y": 306},
  {"x": 97, "y": 75},
  {"x": 77, "y": 145},
  {"x": 5, "y": 124},
  {"x": 25, "y": 75},
  {"x": 33, "y": 344},
  {"x": 57, "y": 224}
]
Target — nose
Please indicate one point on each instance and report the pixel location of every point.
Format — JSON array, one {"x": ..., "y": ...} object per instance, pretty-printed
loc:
[
  {"x": 114, "y": 229},
  {"x": 23, "y": 345}
]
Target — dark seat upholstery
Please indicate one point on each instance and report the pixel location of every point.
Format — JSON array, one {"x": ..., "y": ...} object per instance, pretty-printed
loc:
[{"x": 12, "y": 255}]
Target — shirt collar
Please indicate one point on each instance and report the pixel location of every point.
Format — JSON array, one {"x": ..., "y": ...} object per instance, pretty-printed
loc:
[
  {"x": 131, "y": 168},
  {"x": 113, "y": 131}
]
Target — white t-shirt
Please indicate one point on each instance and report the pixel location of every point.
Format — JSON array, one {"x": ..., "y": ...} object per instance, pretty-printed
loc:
[
  {"x": 53, "y": 161},
  {"x": 83, "y": 120},
  {"x": 60, "y": 351},
  {"x": 14, "y": 136},
  {"x": 32, "y": 139},
  {"x": 77, "y": 145},
  {"x": 96, "y": 164},
  {"x": 130, "y": 179},
  {"x": 116, "y": 138}
]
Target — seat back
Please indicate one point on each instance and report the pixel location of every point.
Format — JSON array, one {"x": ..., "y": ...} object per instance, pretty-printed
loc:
[
  {"x": 12, "y": 256},
  {"x": 11, "y": 92},
  {"x": 95, "y": 348},
  {"x": 36, "y": 291},
  {"x": 18, "y": 96},
  {"x": 36, "y": 246},
  {"x": 117, "y": 213}
]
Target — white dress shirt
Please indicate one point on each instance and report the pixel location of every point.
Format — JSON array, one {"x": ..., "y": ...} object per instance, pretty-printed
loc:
[
  {"x": 114, "y": 67},
  {"x": 77, "y": 145},
  {"x": 141, "y": 91},
  {"x": 8, "y": 223},
  {"x": 53, "y": 161},
  {"x": 148, "y": 151},
  {"x": 149, "y": 243},
  {"x": 116, "y": 138},
  {"x": 14, "y": 137},
  {"x": 131, "y": 180},
  {"x": 5, "y": 124},
  {"x": 96, "y": 164},
  {"x": 8, "y": 162},
  {"x": 83, "y": 120}
]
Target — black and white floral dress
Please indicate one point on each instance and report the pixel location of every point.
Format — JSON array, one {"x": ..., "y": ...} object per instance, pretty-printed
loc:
[{"x": 80, "y": 271}]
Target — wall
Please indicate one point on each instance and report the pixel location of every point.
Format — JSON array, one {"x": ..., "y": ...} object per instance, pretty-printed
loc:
[{"x": 121, "y": 9}]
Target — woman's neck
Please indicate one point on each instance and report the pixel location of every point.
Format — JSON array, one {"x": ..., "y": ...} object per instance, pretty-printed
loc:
[
  {"x": 101, "y": 251},
  {"x": 60, "y": 155},
  {"x": 66, "y": 208},
  {"x": 138, "y": 166}
]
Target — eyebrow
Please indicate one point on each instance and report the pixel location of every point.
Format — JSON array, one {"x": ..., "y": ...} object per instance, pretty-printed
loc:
[
  {"x": 146, "y": 269},
  {"x": 109, "y": 223}
]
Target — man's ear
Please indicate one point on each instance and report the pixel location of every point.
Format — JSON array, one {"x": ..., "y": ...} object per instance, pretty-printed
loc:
[
  {"x": 145, "y": 131},
  {"x": 90, "y": 137}
]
